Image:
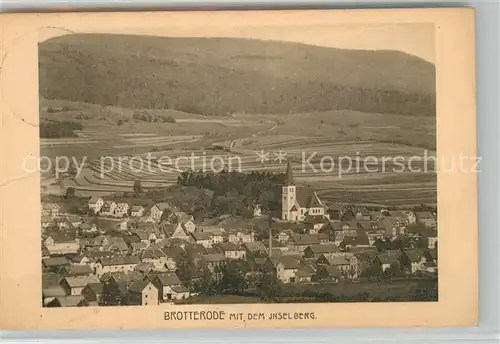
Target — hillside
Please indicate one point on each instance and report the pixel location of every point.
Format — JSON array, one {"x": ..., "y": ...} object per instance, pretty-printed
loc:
[{"x": 226, "y": 75}]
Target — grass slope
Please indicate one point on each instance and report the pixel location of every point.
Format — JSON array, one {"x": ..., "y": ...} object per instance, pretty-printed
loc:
[{"x": 228, "y": 75}]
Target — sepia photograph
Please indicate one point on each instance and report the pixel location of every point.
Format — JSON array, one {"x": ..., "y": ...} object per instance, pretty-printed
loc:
[
  {"x": 253, "y": 169},
  {"x": 207, "y": 170}
]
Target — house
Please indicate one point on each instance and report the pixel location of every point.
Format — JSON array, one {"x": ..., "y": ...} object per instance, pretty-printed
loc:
[
  {"x": 50, "y": 292},
  {"x": 387, "y": 259},
  {"x": 75, "y": 220},
  {"x": 46, "y": 222},
  {"x": 336, "y": 231},
  {"x": 298, "y": 202},
  {"x": 393, "y": 226},
  {"x": 142, "y": 293},
  {"x": 203, "y": 238},
  {"x": 121, "y": 209},
  {"x": 116, "y": 264},
  {"x": 158, "y": 258},
  {"x": 276, "y": 246},
  {"x": 45, "y": 252},
  {"x": 413, "y": 260},
  {"x": 180, "y": 292},
  {"x": 316, "y": 251},
  {"x": 68, "y": 301},
  {"x": 328, "y": 273},
  {"x": 117, "y": 244},
  {"x": 95, "y": 204},
  {"x": 137, "y": 211},
  {"x": 55, "y": 264},
  {"x": 241, "y": 236},
  {"x": 426, "y": 218},
  {"x": 213, "y": 260},
  {"x": 334, "y": 211},
  {"x": 342, "y": 263},
  {"x": 77, "y": 270},
  {"x": 360, "y": 240},
  {"x": 284, "y": 236},
  {"x": 74, "y": 285},
  {"x": 304, "y": 275},
  {"x": 419, "y": 231},
  {"x": 430, "y": 261},
  {"x": 108, "y": 208},
  {"x": 86, "y": 228},
  {"x": 257, "y": 211},
  {"x": 93, "y": 292},
  {"x": 158, "y": 209},
  {"x": 348, "y": 215},
  {"x": 50, "y": 210},
  {"x": 178, "y": 231},
  {"x": 361, "y": 213},
  {"x": 286, "y": 268},
  {"x": 255, "y": 248},
  {"x": 316, "y": 222},
  {"x": 232, "y": 251},
  {"x": 62, "y": 243},
  {"x": 164, "y": 282},
  {"x": 299, "y": 242}
]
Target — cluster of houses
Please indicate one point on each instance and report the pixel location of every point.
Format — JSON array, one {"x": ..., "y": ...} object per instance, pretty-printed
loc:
[{"x": 134, "y": 259}]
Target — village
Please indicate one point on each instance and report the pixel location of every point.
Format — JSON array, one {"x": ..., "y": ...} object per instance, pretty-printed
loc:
[{"x": 121, "y": 254}]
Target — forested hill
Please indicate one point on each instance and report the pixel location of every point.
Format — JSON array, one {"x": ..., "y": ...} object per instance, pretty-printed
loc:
[{"x": 228, "y": 75}]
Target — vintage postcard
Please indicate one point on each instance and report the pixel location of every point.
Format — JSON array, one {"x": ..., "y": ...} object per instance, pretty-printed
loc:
[{"x": 258, "y": 169}]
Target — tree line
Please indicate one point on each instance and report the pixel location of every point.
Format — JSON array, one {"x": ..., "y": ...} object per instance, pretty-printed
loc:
[
  {"x": 57, "y": 129},
  {"x": 236, "y": 192}
]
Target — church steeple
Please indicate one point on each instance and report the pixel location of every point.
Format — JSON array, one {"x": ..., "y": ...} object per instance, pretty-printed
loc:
[{"x": 289, "y": 175}]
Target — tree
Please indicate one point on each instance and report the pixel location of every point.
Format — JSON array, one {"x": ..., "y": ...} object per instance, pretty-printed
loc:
[
  {"x": 232, "y": 277},
  {"x": 269, "y": 287},
  {"x": 70, "y": 192},
  {"x": 120, "y": 122},
  {"x": 138, "y": 187}
]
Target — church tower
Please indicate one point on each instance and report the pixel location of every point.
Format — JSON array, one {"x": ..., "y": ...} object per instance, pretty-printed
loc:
[{"x": 288, "y": 195}]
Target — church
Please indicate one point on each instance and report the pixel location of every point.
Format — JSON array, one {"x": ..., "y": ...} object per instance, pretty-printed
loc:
[{"x": 299, "y": 202}]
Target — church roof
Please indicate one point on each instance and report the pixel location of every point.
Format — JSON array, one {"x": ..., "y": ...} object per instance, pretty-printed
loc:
[{"x": 307, "y": 198}]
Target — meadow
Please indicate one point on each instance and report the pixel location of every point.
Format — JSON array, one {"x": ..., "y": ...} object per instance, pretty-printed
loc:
[{"x": 155, "y": 153}]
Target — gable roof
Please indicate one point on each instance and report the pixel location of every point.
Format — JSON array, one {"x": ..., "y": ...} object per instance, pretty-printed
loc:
[
  {"x": 289, "y": 263},
  {"x": 320, "y": 249},
  {"x": 162, "y": 206},
  {"x": 415, "y": 255},
  {"x": 80, "y": 281},
  {"x": 180, "y": 289},
  {"x": 56, "y": 261},
  {"x": 117, "y": 260},
  {"x": 62, "y": 237},
  {"x": 138, "y": 286},
  {"x": 305, "y": 239},
  {"x": 337, "y": 260},
  {"x": 97, "y": 288},
  {"x": 69, "y": 301},
  {"x": 168, "y": 279},
  {"x": 78, "y": 270},
  {"x": 307, "y": 198},
  {"x": 389, "y": 257},
  {"x": 94, "y": 199}
]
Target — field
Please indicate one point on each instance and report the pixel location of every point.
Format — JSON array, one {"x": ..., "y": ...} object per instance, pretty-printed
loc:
[{"x": 342, "y": 154}]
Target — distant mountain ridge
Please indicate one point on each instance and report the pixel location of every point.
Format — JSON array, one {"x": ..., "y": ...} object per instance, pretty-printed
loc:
[{"x": 231, "y": 75}]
